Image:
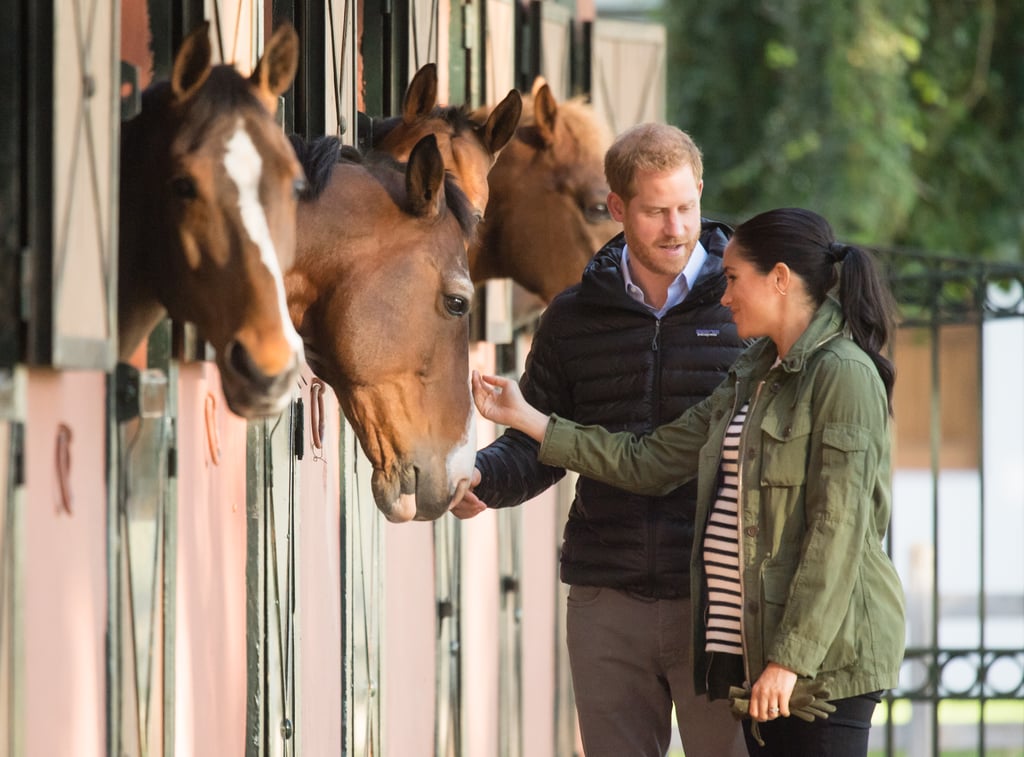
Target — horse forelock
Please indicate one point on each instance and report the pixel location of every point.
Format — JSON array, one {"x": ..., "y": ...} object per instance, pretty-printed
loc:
[
  {"x": 320, "y": 156},
  {"x": 391, "y": 175},
  {"x": 458, "y": 116},
  {"x": 459, "y": 205}
]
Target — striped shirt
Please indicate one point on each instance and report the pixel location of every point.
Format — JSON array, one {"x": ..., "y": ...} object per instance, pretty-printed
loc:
[{"x": 721, "y": 550}]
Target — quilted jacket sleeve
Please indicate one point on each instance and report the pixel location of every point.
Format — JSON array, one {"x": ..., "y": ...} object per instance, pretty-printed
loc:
[{"x": 510, "y": 470}]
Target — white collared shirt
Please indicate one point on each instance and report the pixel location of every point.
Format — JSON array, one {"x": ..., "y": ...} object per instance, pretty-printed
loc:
[{"x": 677, "y": 290}]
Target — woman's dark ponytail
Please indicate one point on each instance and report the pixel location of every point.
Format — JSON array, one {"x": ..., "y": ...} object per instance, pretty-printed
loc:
[{"x": 869, "y": 310}]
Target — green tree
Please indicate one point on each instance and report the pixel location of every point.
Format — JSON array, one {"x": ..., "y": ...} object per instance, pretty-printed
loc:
[{"x": 900, "y": 120}]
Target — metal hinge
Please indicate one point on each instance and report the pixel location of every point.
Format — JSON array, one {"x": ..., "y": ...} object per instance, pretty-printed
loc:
[
  {"x": 18, "y": 453},
  {"x": 298, "y": 429},
  {"x": 26, "y": 272}
]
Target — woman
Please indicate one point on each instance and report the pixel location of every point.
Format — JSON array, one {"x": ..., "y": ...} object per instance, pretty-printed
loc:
[{"x": 792, "y": 459}]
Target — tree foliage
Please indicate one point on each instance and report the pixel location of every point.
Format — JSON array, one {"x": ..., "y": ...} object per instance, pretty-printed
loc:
[{"x": 902, "y": 121}]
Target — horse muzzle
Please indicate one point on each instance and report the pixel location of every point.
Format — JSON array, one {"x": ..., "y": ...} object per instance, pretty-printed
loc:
[
  {"x": 250, "y": 392},
  {"x": 413, "y": 495}
]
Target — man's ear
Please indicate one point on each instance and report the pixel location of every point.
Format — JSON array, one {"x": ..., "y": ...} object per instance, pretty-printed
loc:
[{"x": 616, "y": 207}]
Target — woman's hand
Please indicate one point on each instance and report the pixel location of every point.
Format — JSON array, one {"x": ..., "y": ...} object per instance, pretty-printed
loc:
[
  {"x": 769, "y": 697},
  {"x": 499, "y": 399}
]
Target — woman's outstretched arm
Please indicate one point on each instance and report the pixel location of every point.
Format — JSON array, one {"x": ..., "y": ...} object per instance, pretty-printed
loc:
[{"x": 499, "y": 399}]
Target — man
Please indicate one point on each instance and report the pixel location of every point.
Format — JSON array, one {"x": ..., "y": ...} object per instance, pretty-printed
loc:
[{"x": 642, "y": 337}]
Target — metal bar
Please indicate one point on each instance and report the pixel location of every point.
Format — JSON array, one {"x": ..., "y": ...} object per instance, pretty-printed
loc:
[
  {"x": 255, "y": 592},
  {"x": 935, "y": 441},
  {"x": 982, "y": 601}
]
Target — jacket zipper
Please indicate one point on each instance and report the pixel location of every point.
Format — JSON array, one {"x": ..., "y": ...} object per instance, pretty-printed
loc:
[{"x": 652, "y": 543}]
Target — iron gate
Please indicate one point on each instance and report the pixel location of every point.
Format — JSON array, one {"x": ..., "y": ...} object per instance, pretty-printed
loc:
[{"x": 958, "y": 507}]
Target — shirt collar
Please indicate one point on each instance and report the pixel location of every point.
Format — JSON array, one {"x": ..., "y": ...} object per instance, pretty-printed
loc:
[{"x": 677, "y": 290}]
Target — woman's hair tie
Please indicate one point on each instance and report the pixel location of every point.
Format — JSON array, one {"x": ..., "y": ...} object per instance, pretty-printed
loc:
[{"x": 837, "y": 251}]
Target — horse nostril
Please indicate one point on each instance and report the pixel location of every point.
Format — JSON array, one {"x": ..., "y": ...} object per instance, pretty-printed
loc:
[{"x": 242, "y": 363}]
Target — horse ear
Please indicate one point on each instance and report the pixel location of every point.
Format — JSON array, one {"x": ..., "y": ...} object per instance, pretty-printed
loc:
[
  {"x": 538, "y": 82},
  {"x": 424, "y": 178},
  {"x": 545, "y": 113},
  {"x": 192, "y": 63},
  {"x": 421, "y": 96},
  {"x": 501, "y": 124},
  {"x": 277, "y": 66}
]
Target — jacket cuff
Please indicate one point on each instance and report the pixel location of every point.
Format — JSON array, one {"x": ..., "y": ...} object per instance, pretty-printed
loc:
[
  {"x": 802, "y": 656},
  {"x": 559, "y": 441}
]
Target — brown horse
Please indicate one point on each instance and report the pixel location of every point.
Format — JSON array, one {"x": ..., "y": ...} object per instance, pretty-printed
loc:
[
  {"x": 379, "y": 291},
  {"x": 547, "y": 214},
  {"x": 469, "y": 148},
  {"x": 208, "y": 201}
]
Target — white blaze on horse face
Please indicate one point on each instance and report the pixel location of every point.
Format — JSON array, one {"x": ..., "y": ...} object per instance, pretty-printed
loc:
[
  {"x": 463, "y": 457},
  {"x": 243, "y": 163}
]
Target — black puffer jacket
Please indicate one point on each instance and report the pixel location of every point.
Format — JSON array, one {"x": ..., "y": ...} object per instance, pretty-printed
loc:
[{"x": 600, "y": 357}]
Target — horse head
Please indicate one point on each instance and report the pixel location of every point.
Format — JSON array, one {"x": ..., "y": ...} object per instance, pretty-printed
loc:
[
  {"x": 468, "y": 147},
  {"x": 547, "y": 214},
  {"x": 208, "y": 200},
  {"x": 380, "y": 292}
]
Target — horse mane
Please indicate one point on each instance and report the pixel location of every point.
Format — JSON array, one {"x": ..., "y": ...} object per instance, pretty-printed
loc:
[
  {"x": 577, "y": 116},
  {"x": 585, "y": 124},
  {"x": 319, "y": 156},
  {"x": 456, "y": 115}
]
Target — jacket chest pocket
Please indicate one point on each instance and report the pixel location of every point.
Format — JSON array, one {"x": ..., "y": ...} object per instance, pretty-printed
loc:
[{"x": 786, "y": 445}]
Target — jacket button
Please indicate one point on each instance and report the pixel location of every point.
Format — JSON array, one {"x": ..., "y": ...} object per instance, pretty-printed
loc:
[
  {"x": 788, "y": 431},
  {"x": 775, "y": 386},
  {"x": 750, "y": 530}
]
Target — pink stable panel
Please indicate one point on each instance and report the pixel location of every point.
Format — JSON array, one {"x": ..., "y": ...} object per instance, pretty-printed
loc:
[
  {"x": 320, "y": 572},
  {"x": 65, "y": 569},
  {"x": 210, "y": 649}
]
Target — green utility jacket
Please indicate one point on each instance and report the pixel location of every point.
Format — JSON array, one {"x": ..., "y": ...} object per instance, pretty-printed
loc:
[{"x": 820, "y": 595}]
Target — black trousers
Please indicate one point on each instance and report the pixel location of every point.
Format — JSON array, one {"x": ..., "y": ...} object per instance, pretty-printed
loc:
[{"x": 844, "y": 734}]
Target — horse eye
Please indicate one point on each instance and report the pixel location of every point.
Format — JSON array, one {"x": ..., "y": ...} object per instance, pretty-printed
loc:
[
  {"x": 456, "y": 304},
  {"x": 596, "y": 212},
  {"x": 184, "y": 187}
]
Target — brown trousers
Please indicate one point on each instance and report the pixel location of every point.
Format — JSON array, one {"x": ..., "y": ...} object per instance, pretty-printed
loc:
[{"x": 630, "y": 659}]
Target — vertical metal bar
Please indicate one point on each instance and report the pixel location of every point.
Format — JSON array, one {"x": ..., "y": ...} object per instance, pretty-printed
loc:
[
  {"x": 37, "y": 144},
  {"x": 255, "y": 592},
  {"x": 346, "y": 599},
  {"x": 169, "y": 551},
  {"x": 12, "y": 106},
  {"x": 982, "y": 599},
  {"x": 935, "y": 441},
  {"x": 583, "y": 55},
  {"x": 284, "y": 10},
  {"x": 310, "y": 107},
  {"x": 400, "y": 24},
  {"x": 534, "y": 52},
  {"x": 12, "y": 573},
  {"x": 113, "y": 639}
]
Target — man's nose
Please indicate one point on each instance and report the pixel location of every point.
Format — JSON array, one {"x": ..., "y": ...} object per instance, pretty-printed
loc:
[{"x": 673, "y": 224}]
